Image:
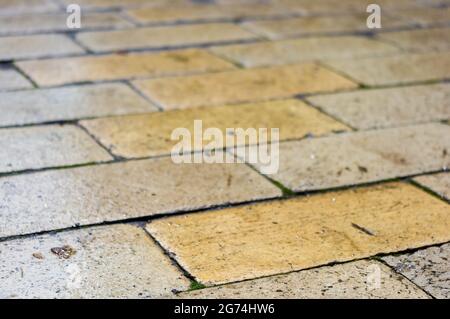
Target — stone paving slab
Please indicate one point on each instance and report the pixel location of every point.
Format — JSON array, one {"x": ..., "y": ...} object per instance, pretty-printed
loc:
[
  {"x": 423, "y": 40},
  {"x": 362, "y": 157},
  {"x": 70, "y": 103},
  {"x": 380, "y": 108},
  {"x": 239, "y": 86},
  {"x": 37, "y": 46},
  {"x": 427, "y": 17},
  {"x": 396, "y": 70},
  {"x": 118, "y": 261},
  {"x": 438, "y": 183},
  {"x": 427, "y": 268},
  {"x": 8, "y": 7},
  {"x": 11, "y": 79},
  {"x": 120, "y": 4},
  {"x": 303, "y": 50},
  {"x": 164, "y": 37},
  {"x": 149, "y": 135},
  {"x": 118, "y": 67},
  {"x": 57, "y": 22},
  {"x": 89, "y": 195},
  {"x": 344, "y": 281},
  {"x": 47, "y": 146},
  {"x": 252, "y": 241}
]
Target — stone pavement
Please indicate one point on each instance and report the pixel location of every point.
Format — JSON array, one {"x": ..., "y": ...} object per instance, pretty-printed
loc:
[{"x": 93, "y": 206}]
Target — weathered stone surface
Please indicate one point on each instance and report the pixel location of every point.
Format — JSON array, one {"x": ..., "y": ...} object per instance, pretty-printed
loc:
[
  {"x": 70, "y": 103},
  {"x": 396, "y": 69},
  {"x": 11, "y": 79},
  {"x": 438, "y": 183},
  {"x": 348, "y": 280},
  {"x": 426, "y": 17},
  {"x": 422, "y": 40},
  {"x": 90, "y": 195},
  {"x": 47, "y": 146},
  {"x": 162, "y": 37},
  {"x": 148, "y": 135},
  {"x": 304, "y": 50},
  {"x": 427, "y": 268},
  {"x": 117, "y": 261},
  {"x": 377, "y": 108},
  {"x": 280, "y": 236},
  {"x": 21, "y": 6},
  {"x": 117, "y": 66},
  {"x": 119, "y": 4},
  {"x": 240, "y": 86}
]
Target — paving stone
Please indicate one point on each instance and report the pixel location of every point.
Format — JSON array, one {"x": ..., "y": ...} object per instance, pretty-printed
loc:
[
  {"x": 35, "y": 23},
  {"x": 380, "y": 108},
  {"x": 47, "y": 146},
  {"x": 70, "y": 103},
  {"x": 363, "y": 157},
  {"x": 117, "y": 261},
  {"x": 164, "y": 37},
  {"x": 438, "y": 183},
  {"x": 202, "y": 13},
  {"x": 11, "y": 79},
  {"x": 349, "y": 281},
  {"x": 311, "y": 49},
  {"x": 423, "y": 40},
  {"x": 113, "y": 4},
  {"x": 396, "y": 69},
  {"x": 149, "y": 135},
  {"x": 427, "y": 17},
  {"x": 427, "y": 268},
  {"x": 117, "y": 66},
  {"x": 94, "y": 194},
  {"x": 252, "y": 241},
  {"x": 21, "y": 6},
  {"x": 240, "y": 86},
  {"x": 37, "y": 46}
]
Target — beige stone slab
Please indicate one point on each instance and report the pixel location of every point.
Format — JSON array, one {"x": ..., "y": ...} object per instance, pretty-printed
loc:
[
  {"x": 427, "y": 17},
  {"x": 120, "y": 4},
  {"x": 304, "y": 50},
  {"x": 70, "y": 103},
  {"x": 401, "y": 69},
  {"x": 11, "y": 79},
  {"x": 427, "y": 268},
  {"x": 47, "y": 146},
  {"x": 379, "y": 108},
  {"x": 363, "y": 157},
  {"x": 240, "y": 86},
  {"x": 149, "y": 135},
  {"x": 164, "y": 37},
  {"x": 117, "y": 261},
  {"x": 117, "y": 66},
  {"x": 35, "y": 23},
  {"x": 94, "y": 194},
  {"x": 344, "y": 281},
  {"x": 8, "y": 7},
  {"x": 438, "y": 183},
  {"x": 423, "y": 40},
  {"x": 37, "y": 46},
  {"x": 281, "y": 236}
]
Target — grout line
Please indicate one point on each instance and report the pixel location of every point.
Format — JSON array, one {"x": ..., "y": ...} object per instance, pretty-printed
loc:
[{"x": 96, "y": 140}]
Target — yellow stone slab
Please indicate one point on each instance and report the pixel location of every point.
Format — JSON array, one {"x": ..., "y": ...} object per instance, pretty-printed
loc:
[
  {"x": 281, "y": 236},
  {"x": 242, "y": 86},
  {"x": 115, "y": 67},
  {"x": 149, "y": 134}
]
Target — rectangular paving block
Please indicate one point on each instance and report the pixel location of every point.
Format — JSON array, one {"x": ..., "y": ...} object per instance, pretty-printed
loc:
[
  {"x": 397, "y": 69},
  {"x": 120, "y": 4},
  {"x": 149, "y": 135},
  {"x": 343, "y": 281},
  {"x": 438, "y": 183},
  {"x": 118, "y": 67},
  {"x": 422, "y": 40},
  {"x": 116, "y": 261},
  {"x": 13, "y": 80},
  {"x": 35, "y": 23},
  {"x": 427, "y": 17},
  {"x": 47, "y": 146},
  {"x": 379, "y": 108},
  {"x": 361, "y": 157},
  {"x": 427, "y": 268},
  {"x": 70, "y": 103},
  {"x": 239, "y": 86},
  {"x": 22, "y": 6},
  {"x": 304, "y": 50},
  {"x": 59, "y": 199},
  {"x": 281, "y": 236},
  {"x": 37, "y": 46},
  {"x": 163, "y": 37}
]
